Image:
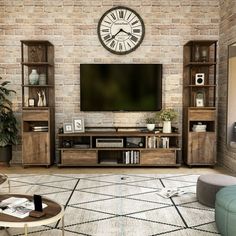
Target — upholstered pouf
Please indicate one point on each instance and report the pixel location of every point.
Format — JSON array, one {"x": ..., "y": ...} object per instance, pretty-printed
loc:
[
  {"x": 225, "y": 211},
  {"x": 208, "y": 185}
]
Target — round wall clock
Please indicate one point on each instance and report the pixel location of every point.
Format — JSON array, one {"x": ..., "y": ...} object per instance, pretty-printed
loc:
[{"x": 121, "y": 30}]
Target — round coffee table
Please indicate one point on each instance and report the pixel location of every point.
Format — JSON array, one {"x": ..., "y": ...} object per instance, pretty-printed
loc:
[
  {"x": 4, "y": 179},
  {"x": 53, "y": 212}
]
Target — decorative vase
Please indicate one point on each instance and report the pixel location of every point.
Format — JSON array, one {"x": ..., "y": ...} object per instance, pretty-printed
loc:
[
  {"x": 150, "y": 127},
  {"x": 166, "y": 126},
  {"x": 34, "y": 77},
  {"x": 42, "y": 79}
]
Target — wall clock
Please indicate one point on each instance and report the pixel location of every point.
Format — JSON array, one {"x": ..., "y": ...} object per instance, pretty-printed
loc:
[{"x": 121, "y": 30}]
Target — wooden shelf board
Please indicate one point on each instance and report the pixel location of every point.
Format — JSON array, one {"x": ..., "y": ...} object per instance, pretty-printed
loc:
[
  {"x": 37, "y": 64},
  {"x": 201, "y": 108},
  {"x": 199, "y": 63},
  {"x": 37, "y": 85},
  {"x": 36, "y": 42},
  {"x": 120, "y": 165},
  {"x": 36, "y": 108},
  {"x": 115, "y": 134},
  {"x": 201, "y": 86}
]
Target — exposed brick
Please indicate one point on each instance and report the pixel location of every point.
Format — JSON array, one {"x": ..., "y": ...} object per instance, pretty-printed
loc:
[{"x": 71, "y": 25}]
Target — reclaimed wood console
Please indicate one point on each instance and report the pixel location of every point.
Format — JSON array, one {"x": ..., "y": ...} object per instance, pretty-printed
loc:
[{"x": 131, "y": 149}]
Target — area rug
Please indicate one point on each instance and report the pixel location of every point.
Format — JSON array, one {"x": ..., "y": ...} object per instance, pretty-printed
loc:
[{"x": 118, "y": 205}]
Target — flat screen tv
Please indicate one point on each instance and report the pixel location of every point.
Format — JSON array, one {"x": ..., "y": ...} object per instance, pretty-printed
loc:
[{"x": 121, "y": 87}]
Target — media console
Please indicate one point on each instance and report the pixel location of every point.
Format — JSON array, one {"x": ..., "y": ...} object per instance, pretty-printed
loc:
[{"x": 133, "y": 149}]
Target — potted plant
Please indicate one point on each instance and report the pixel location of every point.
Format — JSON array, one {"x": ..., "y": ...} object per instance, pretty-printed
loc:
[
  {"x": 150, "y": 121},
  {"x": 166, "y": 116},
  {"x": 8, "y": 124}
]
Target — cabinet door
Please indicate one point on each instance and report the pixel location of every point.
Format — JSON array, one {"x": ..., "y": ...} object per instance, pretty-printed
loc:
[
  {"x": 36, "y": 148},
  {"x": 201, "y": 148}
]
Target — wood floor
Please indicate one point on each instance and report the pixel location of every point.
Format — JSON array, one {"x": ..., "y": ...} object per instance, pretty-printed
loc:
[{"x": 18, "y": 169}]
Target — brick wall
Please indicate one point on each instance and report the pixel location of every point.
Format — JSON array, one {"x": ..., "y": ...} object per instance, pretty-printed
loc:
[
  {"x": 71, "y": 26},
  {"x": 227, "y": 37}
]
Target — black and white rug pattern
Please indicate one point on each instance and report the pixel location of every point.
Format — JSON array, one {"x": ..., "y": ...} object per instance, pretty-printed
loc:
[{"x": 118, "y": 205}]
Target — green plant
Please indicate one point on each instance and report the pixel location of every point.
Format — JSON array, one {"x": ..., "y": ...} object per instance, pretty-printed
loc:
[
  {"x": 150, "y": 120},
  {"x": 167, "y": 115},
  {"x": 8, "y": 122}
]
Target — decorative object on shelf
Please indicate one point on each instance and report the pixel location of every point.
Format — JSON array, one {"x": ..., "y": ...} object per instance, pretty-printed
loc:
[
  {"x": 34, "y": 77},
  {"x": 199, "y": 78},
  {"x": 78, "y": 124},
  {"x": 150, "y": 121},
  {"x": 68, "y": 128},
  {"x": 197, "y": 53},
  {"x": 121, "y": 30},
  {"x": 40, "y": 51},
  {"x": 42, "y": 79},
  {"x": 166, "y": 126},
  {"x": 204, "y": 54},
  {"x": 31, "y": 102},
  {"x": 44, "y": 99},
  {"x": 40, "y": 99},
  {"x": 166, "y": 116},
  {"x": 8, "y": 127},
  {"x": 67, "y": 143},
  {"x": 199, "y": 100}
]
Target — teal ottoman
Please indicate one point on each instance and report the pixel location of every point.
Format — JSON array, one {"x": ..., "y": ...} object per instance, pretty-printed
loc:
[{"x": 225, "y": 211}]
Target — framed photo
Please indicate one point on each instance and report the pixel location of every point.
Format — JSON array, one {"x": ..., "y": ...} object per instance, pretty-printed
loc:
[
  {"x": 78, "y": 124},
  {"x": 199, "y": 99},
  {"x": 31, "y": 102},
  {"x": 68, "y": 128}
]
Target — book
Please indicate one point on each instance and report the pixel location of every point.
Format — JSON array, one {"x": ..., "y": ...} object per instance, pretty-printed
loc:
[{"x": 17, "y": 207}]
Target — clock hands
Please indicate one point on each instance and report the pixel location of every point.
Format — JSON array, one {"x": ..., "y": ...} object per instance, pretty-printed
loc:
[
  {"x": 113, "y": 36},
  {"x": 126, "y": 32},
  {"x": 121, "y": 30}
]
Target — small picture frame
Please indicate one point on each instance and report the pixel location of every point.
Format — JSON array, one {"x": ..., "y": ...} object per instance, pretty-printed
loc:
[
  {"x": 78, "y": 124},
  {"x": 68, "y": 128},
  {"x": 31, "y": 102},
  {"x": 200, "y": 99}
]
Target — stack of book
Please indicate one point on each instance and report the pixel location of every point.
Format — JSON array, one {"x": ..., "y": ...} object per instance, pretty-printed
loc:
[
  {"x": 40, "y": 128},
  {"x": 131, "y": 157}
]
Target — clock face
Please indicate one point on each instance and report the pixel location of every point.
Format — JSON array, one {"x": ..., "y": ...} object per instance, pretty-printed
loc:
[{"x": 121, "y": 30}]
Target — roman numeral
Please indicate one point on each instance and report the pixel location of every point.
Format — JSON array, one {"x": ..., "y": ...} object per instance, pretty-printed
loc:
[
  {"x": 107, "y": 22},
  {"x": 134, "y": 39},
  {"x": 113, "y": 44},
  {"x": 136, "y": 30},
  {"x": 129, "y": 16},
  {"x": 135, "y": 22},
  {"x": 121, "y": 14},
  {"x": 129, "y": 44},
  {"x": 107, "y": 37},
  {"x": 120, "y": 47},
  {"x": 105, "y": 30},
  {"x": 113, "y": 16}
]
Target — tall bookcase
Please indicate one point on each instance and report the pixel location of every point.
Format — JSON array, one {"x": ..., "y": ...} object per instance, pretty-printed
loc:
[
  {"x": 38, "y": 135},
  {"x": 199, "y": 101}
]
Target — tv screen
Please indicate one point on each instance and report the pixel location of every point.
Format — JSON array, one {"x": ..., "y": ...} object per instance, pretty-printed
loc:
[{"x": 121, "y": 87}]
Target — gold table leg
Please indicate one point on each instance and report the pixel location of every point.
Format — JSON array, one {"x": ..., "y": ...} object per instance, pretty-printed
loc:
[
  {"x": 26, "y": 230},
  {"x": 63, "y": 224}
]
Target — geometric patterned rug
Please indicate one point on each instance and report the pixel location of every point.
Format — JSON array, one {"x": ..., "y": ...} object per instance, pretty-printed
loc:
[{"x": 118, "y": 205}]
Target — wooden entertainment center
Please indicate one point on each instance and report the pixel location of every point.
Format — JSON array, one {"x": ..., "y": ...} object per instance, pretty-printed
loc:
[{"x": 119, "y": 148}]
